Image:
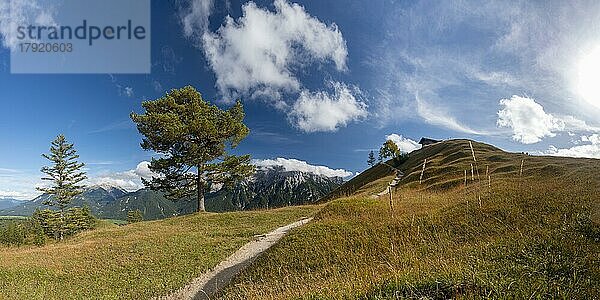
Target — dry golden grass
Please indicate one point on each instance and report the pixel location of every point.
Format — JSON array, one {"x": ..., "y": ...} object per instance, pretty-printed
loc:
[
  {"x": 136, "y": 261},
  {"x": 535, "y": 236}
]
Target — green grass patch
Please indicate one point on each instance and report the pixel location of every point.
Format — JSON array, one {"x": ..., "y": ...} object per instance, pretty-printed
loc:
[
  {"x": 137, "y": 261},
  {"x": 12, "y": 218},
  {"x": 115, "y": 221},
  {"x": 5, "y": 220}
]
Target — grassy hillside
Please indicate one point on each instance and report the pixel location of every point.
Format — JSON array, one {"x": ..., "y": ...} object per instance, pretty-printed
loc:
[
  {"x": 370, "y": 175},
  {"x": 532, "y": 235},
  {"x": 136, "y": 261}
]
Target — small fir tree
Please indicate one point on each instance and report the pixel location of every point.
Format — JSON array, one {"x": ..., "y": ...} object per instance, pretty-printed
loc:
[
  {"x": 134, "y": 216},
  {"x": 65, "y": 174},
  {"x": 371, "y": 161}
]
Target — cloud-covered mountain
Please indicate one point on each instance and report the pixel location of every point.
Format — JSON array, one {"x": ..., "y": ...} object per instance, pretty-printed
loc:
[
  {"x": 302, "y": 166},
  {"x": 273, "y": 186}
]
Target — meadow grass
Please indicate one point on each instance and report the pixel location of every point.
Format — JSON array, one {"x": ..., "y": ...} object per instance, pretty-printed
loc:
[
  {"x": 5, "y": 220},
  {"x": 137, "y": 261},
  {"x": 535, "y": 236},
  {"x": 116, "y": 221}
]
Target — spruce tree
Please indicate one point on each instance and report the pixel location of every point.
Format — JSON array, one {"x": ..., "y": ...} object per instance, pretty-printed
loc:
[
  {"x": 192, "y": 137},
  {"x": 371, "y": 161},
  {"x": 66, "y": 176},
  {"x": 64, "y": 172}
]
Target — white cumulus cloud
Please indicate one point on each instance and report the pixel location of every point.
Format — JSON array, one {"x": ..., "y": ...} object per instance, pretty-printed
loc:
[
  {"x": 299, "y": 165},
  {"x": 259, "y": 56},
  {"x": 323, "y": 111},
  {"x": 528, "y": 120},
  {"x": 256, "y": 54},
  {"x": 404, "y": 144}
]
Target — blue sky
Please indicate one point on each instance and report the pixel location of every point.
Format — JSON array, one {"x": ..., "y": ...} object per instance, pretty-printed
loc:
[{"x": 323, "y": 82}]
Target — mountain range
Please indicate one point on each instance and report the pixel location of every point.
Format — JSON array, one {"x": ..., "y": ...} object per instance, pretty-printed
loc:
[
  {"x": 9, "y": 202},
  {"x": 269, "y": 187}
]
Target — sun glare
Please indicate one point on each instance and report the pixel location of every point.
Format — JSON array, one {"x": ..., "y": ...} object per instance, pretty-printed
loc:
[{"x": 589, "y": 77}]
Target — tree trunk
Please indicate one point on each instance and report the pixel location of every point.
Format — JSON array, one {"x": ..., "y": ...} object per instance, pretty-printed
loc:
[
  {"x": 61, "y": 230},
  {"x": 200, "y": 190}
]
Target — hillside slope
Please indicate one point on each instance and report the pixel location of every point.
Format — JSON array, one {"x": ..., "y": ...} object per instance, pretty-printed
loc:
[{"x": 530, "y": 234}]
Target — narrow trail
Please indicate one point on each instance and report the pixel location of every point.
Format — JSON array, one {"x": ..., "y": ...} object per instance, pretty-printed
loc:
[
  {"x": 209, "y": 283},
  {"x": 392, "y": 184}
]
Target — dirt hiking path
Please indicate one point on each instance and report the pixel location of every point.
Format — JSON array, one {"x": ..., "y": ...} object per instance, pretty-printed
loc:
[{"x": 209, "y": 283}]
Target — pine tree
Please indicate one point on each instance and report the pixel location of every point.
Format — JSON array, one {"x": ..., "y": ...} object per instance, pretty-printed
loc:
[
  {"x": 192, "y": 137},
  {"x": 64, "y": 172},
  {"x": 371, "y": 161}
]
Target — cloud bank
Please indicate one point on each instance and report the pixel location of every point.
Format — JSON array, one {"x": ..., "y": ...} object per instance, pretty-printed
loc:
[
  {"x": 530, "y": 123},
  {"x": 302, "y": 166},
  {"x": 4, "y": 194},
  {"x": 129, "y": 180},
  {"x": 18, "y": 184},
  {"x": 590, "y": 150}
]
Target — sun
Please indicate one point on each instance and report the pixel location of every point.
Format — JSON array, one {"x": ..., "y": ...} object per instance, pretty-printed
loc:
[{"x": 588, "y": 82}]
